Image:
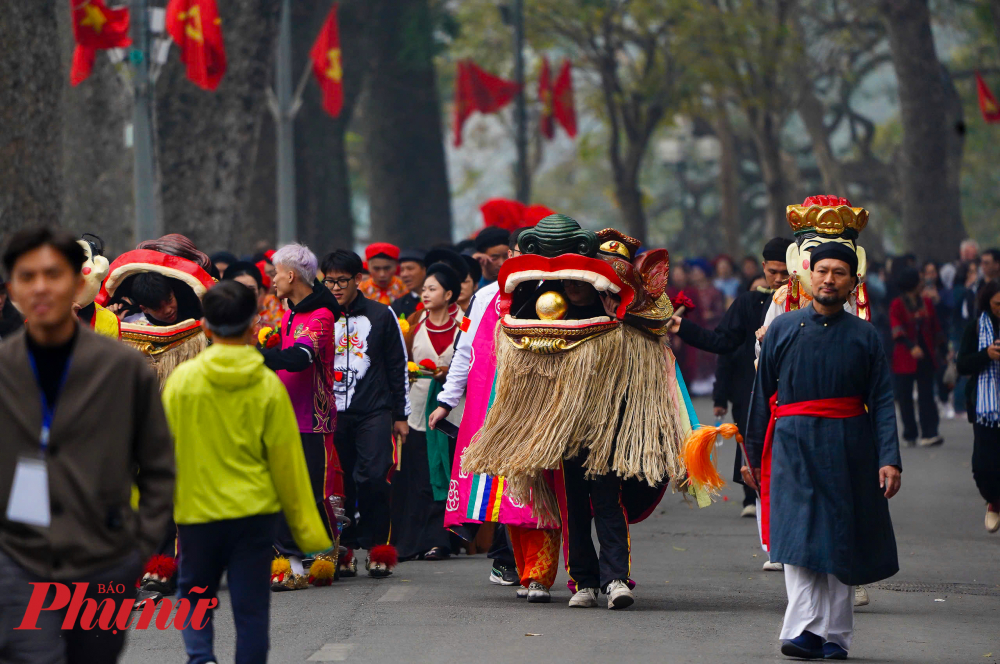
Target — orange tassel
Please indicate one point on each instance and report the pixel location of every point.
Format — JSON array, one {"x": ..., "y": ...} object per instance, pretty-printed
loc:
[{"x": 698, "y": 449}]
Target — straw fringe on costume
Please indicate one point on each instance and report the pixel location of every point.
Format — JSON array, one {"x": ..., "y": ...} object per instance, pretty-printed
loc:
[{"x": 611, "y": 393}]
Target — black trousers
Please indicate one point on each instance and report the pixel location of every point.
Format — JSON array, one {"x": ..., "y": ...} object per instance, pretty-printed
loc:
[
  {"x": 903, "y": 385},
  {"x": 314, "y": 449},
  {"x": 242, "y": 547},
  {"x": 364, "y": 445},
  {"x": 741, "y": 414},
  {"x": 986, "y": 462},
  {"x": 603, "y": 494},
  {"x": 500, "y": 550},
  {"x": 417, "y": 519}
]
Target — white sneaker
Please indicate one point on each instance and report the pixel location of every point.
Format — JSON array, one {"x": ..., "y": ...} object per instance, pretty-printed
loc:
[
  {"x": 620, "y": 596},
  {"x": 538, "y": 594},
  {"x": 992, "y": 520},
  {"x": 773, "y": 567},
  {"x": 948, "y": 411},
  {"x": 522, "y": 592},
  {"x": 749, "y": 512},
  {"x": 860, "y": 596},
  {"x": 584, "y": 598},
  {"x": 930, "y": 442}
]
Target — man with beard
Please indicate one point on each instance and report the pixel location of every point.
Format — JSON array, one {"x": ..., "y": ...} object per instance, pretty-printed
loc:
[
  {"x": 823, "y": 448},
  {"x": 736, "y": 334}
]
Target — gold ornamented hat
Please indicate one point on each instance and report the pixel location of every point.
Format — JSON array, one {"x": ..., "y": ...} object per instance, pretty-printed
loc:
[{"x": 827, "y": 215}]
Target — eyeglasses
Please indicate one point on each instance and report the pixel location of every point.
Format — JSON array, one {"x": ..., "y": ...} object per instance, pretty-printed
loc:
[{"x": 341, "y": 283}]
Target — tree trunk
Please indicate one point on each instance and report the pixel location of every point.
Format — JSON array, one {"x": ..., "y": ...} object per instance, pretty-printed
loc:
[
  {"x": 931, "y": 206},
  {"x": 98, "y": 190},
  {"x": 401, "y": 122},
  {"x": 766, "y": 138},
  {"x": 811, "y": 111},
  {"x": 729, "y": 202},
  {"x": 31, "y": 81},
  {"x": 322, "y": 177},
  {"x": 208, "y": 140},
  {"x": 629, "y": 198}
]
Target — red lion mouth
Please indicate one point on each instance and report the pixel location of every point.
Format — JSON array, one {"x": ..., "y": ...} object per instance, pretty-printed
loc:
[{"x": 529, "y": 278}]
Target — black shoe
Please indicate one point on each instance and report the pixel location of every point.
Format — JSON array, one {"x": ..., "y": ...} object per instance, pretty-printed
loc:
[
  {"x": 804, "y": 646},
  {"x": 503, "y": 575}
]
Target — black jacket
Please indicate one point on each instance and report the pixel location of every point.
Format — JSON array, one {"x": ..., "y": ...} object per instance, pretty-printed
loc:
[
  {"x": 971, "y": 362},
  {"x": 735, "y": 334},
  {"x": 370, "y": 366}
]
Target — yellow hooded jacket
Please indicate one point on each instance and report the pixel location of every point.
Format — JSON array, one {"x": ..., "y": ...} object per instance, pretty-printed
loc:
[{"x": 237, "y": 445}]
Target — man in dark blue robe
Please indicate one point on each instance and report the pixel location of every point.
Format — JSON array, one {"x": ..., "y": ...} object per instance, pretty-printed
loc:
[{"x": 822, "y": 444}]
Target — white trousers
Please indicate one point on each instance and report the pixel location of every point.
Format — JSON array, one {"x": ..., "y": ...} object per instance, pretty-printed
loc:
[{"x": 818, "y": 603}]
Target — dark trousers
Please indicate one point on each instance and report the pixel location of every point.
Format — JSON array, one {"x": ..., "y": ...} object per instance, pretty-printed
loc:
[
  {"x": 741, "y": 414},
  {"x": 602, "y": 496},
  {"x": 314, "y": 448},
  {"x": 924, "y": 379},
  {"x": 417, "y": 519},
  {"x": 500, "y": 550},
  {"x": 242, "y": 547},
  {"x": 364, "y": 445},
  {"x": 50, "y": 644},
  {"x": 986, "y": 462}
]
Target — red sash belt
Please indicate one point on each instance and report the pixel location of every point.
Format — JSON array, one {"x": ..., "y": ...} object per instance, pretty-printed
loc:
[{"x": 838, "y": 408}]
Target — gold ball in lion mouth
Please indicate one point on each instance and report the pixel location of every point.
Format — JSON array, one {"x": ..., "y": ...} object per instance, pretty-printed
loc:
[{"x": 551, "y": 306}]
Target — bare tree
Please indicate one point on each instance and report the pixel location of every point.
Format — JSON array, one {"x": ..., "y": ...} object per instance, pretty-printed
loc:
[{"x": 932, "y": 137}]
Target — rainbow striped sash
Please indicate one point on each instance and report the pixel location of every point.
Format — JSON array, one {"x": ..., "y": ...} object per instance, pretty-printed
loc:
[{"x": 484, "y": 498}]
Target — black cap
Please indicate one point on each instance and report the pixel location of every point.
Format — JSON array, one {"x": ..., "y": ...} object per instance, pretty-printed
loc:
[
  {"x": 836, "y": 250},
  {"x": 491, "y": 236},
  {"x": 412, "y": 256},
  {"x": 775, "y": 249}
]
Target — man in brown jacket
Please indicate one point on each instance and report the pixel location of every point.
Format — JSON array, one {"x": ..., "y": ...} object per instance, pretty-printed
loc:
[{"x": 82, "y": 421}]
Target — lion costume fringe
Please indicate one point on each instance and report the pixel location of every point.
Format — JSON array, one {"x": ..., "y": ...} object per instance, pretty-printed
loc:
[{"x": 610, "y": 397}]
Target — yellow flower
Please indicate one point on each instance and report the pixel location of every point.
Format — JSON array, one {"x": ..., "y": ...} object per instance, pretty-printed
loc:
[
  {"x": 264, "y": 333},
  {"x": 404, "y": 325},
  {"x": 412, "y": 367}
]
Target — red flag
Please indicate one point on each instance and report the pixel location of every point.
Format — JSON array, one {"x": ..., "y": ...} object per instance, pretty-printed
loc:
[
  {"x": 562, "y": 99},
  {"x": 987, "y": 102},
  {"x": 326, "y": 64},
  {"x": 95, "y": 27},
  {"x": 477, "y": 90},
  {"x": 545, "y": 123},
  {"x": 196, "y": 28}
]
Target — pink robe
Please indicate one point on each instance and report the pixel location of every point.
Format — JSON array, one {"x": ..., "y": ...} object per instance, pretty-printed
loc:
[{"x": 482, "y": 370}]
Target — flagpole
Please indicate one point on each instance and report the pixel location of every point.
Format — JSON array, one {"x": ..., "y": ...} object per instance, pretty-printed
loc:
[
  {"x": 522, "y": 184},
  {"x": 284, "y": 119},
  {"x": 148, "y": 223}
]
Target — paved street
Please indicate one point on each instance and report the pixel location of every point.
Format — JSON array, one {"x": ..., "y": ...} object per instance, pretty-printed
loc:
[{"x": 701, "y": 594}]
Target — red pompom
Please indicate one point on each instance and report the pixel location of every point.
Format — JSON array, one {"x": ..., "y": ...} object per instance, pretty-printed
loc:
[
  {"x": 385, "y": 554},
  {"x": 338, "y": 376},
  {"x": 428, "y": 364},
  {"x": 272, "y": 340},
  {"x": 162, "y": 566},
  {"x": 420, "y": 306}
]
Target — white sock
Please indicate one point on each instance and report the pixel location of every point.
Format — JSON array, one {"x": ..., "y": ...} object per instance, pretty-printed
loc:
[{"x": 296, "y": 564}]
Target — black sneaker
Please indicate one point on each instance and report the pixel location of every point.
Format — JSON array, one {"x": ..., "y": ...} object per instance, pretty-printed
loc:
[{"x": 503, "y": 575}]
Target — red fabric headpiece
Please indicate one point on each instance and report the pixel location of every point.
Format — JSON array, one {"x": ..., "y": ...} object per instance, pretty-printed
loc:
[{"x": 382, "y": 249}]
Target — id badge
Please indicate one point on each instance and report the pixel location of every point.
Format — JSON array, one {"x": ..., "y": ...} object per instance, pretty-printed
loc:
[{"x": 29, "y": 494}]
